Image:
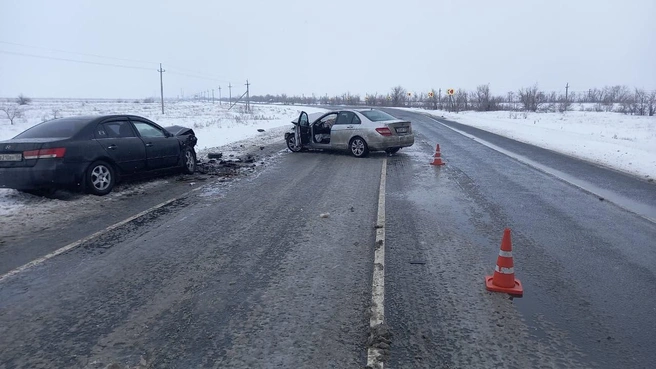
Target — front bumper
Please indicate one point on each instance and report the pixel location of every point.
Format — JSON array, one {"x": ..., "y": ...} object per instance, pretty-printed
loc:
[{"x": 46, "y": 173}]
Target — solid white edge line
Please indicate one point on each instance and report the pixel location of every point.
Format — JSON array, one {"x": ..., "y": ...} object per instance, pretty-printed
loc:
[
  {"x": 378, "y": 281},
  {"x": 79, "y": 242}
]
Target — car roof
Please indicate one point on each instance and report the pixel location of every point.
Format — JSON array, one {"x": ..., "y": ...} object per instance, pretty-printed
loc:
[{"x": 91, "y": 118}]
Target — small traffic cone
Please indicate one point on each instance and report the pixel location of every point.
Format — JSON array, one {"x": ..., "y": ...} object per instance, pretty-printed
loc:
[
  {"x": 503, "y": 279},
  {"x": 437, "y": 158}
]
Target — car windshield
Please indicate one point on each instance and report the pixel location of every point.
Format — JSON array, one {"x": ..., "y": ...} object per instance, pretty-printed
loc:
[
  {"x": 377, "y": 115},
  {"x": 56, "y": 128}
]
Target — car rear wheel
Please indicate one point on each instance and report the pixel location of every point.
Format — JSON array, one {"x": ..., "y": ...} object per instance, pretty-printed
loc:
[
  {"x": 291, "y": 144},
  {"x": 100, "y": 178},
  {"x": 392, "y": 150},
  {"x": 359, "y": 147},
  {"x": 188, "y": 161}
]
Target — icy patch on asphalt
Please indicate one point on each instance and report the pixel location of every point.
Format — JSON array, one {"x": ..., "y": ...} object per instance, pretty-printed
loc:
[
  {"x": 623, "y": 142},
  {"x": 639, "y": 208}
]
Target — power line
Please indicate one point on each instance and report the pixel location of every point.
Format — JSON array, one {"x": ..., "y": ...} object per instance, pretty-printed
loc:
[
  {"x": 73, "y": 60},
  {"x": 196, "y": 76},
  {"x": 196, "y": 73},
  {"x": 77, "y": 53},
  {"x": 184, "y": 72}
]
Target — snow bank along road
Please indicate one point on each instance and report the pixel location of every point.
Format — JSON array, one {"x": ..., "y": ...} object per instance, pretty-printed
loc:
[{"x": 253, "y": 276}]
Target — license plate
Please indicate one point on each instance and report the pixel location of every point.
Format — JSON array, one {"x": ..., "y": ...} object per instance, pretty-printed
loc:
[
  {"x": 402, "y": 130},
  {"x": 11, "y": 157}
]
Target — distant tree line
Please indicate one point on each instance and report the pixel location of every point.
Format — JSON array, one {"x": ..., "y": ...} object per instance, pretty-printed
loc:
[{"x": 618, "y": 98}]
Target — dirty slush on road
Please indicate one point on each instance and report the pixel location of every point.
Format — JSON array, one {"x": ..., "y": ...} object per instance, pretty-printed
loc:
[{"x": 242, "y": 293}]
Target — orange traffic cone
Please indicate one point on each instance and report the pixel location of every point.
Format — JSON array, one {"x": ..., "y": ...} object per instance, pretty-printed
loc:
[
  {"x": 437, "y": 159},
  {"x": 503, "y": 279}
]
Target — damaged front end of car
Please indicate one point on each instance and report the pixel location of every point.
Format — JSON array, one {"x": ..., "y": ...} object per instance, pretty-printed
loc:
[{"x": 185, "y": 135}]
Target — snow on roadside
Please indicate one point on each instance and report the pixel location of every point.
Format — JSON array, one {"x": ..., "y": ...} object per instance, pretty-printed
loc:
[
  {"x": 215, "y": 127},
  {"x": 623, "y": 142},
  {"x": 214, "y": 124}
]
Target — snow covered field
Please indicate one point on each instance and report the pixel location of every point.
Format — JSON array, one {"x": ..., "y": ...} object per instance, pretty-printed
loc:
[
  {"x": 216, "y": 128},
  {"x": 214, "y": 124},
  {"x": 623, "y": 142}
]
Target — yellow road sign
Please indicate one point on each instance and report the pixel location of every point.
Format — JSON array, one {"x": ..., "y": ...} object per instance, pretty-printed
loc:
[{"x": 450, "y": 91}]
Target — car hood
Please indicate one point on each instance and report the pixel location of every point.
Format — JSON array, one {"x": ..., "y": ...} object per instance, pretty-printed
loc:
[
  {"x": 183, "y": 134},
  {"x": 179, "y": 130}
]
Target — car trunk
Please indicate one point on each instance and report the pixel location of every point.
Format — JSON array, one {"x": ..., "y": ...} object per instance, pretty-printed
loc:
[
  {"x": 12, "y": 151},
  {"x": 399, "y": 127}
]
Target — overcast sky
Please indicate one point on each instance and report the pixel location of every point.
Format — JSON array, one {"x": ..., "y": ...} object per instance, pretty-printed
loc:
[{"x": 327, "y": 47}]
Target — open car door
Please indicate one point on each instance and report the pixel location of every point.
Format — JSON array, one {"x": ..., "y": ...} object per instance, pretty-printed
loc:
[{"x": 302, "y": 131}]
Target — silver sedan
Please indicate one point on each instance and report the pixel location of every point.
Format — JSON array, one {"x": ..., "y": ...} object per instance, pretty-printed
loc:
[{"x": 358, "y": 131}]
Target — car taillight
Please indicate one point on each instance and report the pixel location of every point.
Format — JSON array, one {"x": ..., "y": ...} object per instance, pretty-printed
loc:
[
  {"x": 44, "y": 153},
  {"x": 384, "y": 131}
]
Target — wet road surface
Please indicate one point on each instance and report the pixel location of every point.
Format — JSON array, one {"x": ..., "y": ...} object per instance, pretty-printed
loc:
[
  {"x": 588, "y": 266},
  {"x": 247, "y": 276},
  {"x": 251, "y": 275}
]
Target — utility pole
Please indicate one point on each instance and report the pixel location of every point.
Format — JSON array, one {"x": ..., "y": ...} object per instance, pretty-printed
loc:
[
  {"x": 248, "y": 104},
  {"x": 566, "y": 90},
  {"x": 212, "y": 96},
  {"x": 219, "y": 95},
  {"x": 439, "y": 97},
  {"x": 161, "y": 84},
  {"x": 229, "y": 94}
]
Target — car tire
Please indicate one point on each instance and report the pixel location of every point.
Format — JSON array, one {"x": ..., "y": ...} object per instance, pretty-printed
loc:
[
  {"x": 358, "y": 147},
  {"x": 100, "y": 178},
  {"x": 291, "y": 144},
  {"x": 392, "y": 150},
  {"x": 188, "y": 161}
]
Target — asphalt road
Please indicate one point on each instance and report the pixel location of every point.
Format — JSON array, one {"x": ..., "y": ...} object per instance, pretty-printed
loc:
[
  {"x": 588, "y": 266},
  {"x": 250, "y": 274}
]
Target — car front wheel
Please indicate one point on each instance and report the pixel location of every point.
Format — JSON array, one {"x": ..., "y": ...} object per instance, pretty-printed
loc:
[
  {"x": 291, "y": 144},
  {"x": 188, "y": 161},
  {"x": 358, "y": 147},
  {"x": 100, "y": 178}
]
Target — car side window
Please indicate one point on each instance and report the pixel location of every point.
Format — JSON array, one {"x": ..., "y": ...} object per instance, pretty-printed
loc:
[
  {"x": 344, "y": 117},
  {"x": 330, "y": 118},
  {"x": 356, "y": 119},
  {"x": 328, "y": 121},
  {"x": 115, "y": 129},
  {"x": 148, "y": 130}
]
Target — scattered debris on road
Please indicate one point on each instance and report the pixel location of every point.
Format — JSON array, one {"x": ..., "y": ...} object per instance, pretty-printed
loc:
[
  {"x": 216, "y": 166},
  {"x": 324, "y": 215}
]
